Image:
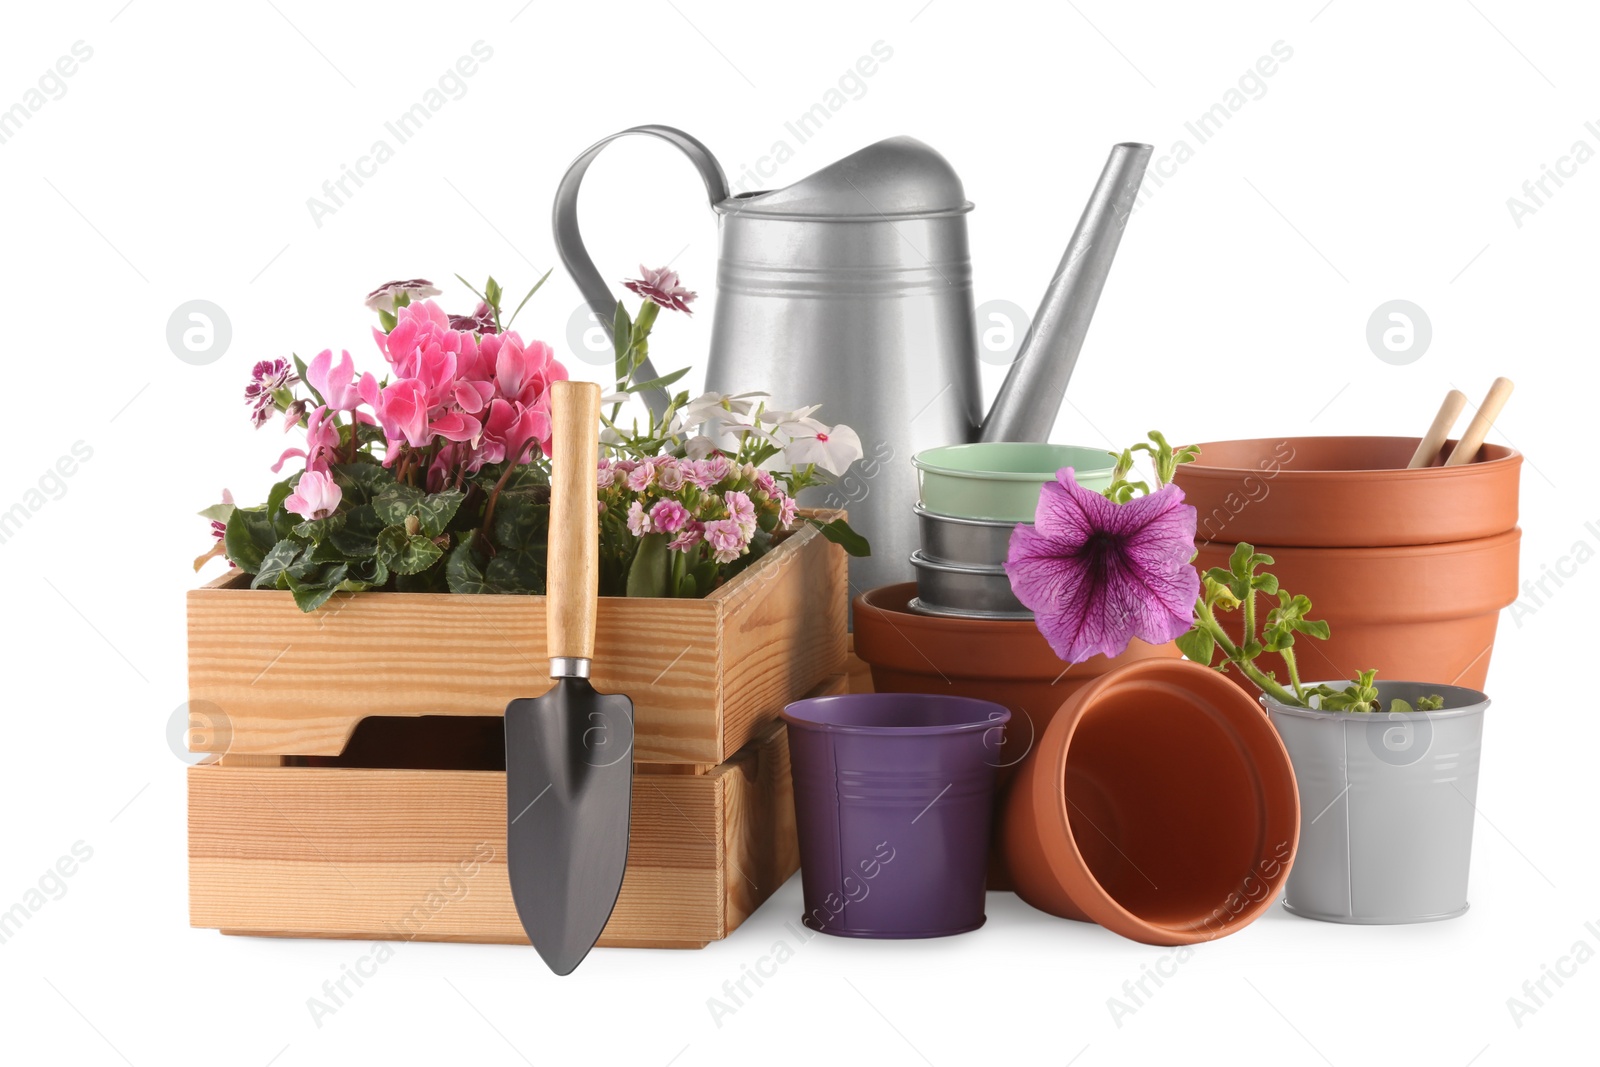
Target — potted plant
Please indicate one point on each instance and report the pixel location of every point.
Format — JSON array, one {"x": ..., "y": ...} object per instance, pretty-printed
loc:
[
  {"x": 423, "y": 489},
  {"x": 1387, "y": 770},
  {"x": 383, "y": 605}
]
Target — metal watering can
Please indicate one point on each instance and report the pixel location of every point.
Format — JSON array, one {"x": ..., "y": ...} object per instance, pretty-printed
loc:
[{"x": 852, "y": 288}]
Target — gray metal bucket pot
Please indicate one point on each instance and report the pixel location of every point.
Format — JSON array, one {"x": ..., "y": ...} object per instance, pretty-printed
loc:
[{"x": 1387, "y": 802}]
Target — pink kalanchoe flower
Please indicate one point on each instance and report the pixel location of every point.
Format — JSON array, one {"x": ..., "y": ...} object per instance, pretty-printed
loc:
[
  {"x": 335, "y": 383},
  {"x": 383, "y": 297},
  {"x": 481, "y": 321},
  {"x": 661, "y": 287},
  {"x": 605, "y": 477},
  {"x": 692, "y": 534},
  {"x": 741, "y": 510},
  {"x": 786, "y": 510},
  {"x": 1097, "y": 574},
  {"x": 709, "y": 471},
  {"x": 640, "y": 477},
  {"x": 668, "y": 516},
  {"x": 639, "y": 522},
  {"x": 765, "y": 482},
  {"x": 315, "y": 496},
  {"x": 726, "y": 538},
  {"x": 669, "y": 473}
]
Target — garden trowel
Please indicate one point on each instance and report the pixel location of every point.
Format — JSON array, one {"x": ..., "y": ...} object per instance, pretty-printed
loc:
[{"x": 569, "y": 767}]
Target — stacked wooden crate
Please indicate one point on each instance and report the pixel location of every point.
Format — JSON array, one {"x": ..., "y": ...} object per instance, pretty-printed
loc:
[{"x": 358, "y": 790}]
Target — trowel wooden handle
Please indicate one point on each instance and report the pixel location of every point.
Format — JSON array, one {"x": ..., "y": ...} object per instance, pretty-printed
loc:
[
  {"x": 1478, "y": 428},
  {"x": 1439, "y": 432},
  {"x": 572, "y": 565}
]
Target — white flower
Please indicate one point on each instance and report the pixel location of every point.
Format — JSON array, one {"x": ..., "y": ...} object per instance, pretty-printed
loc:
[
  {"x": 782, "y": 418},
  {"x": 699, "y": 447},
  {"x": 831, "y": 448},
  {"x": 726, "y": 409}
]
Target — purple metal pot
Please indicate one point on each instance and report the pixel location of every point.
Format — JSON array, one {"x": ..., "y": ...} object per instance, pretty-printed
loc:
[{"x": 894, "y": 794}]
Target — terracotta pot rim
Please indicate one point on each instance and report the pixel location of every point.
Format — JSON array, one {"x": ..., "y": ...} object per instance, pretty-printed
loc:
[
  {"x": 1436, "y": 548},
  {"x": 1503, "y": 456},
  {"x": 1048, "y": 796},
  {"x": 868, "y": 601}
]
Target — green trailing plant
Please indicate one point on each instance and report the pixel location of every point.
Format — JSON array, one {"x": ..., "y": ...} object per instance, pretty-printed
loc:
[{"x": 1236, "y": 588}]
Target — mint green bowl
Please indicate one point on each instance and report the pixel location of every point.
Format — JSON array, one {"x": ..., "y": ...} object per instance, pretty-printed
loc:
[{"x": 1001, "y": 479}]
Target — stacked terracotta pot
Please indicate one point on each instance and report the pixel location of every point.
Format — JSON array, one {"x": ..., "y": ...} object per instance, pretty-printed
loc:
[{"x": 1409, "y": 567}]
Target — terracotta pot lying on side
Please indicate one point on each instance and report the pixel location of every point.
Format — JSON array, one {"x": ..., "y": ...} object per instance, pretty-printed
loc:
[
  {"x": 1008, "y": 662},
  {"x": 1160, "y": 804},
  {"x": 1411, "y": 611}
]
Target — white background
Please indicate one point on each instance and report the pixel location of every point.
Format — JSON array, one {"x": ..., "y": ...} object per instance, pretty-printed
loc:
[{"x": 177, "y": 165}]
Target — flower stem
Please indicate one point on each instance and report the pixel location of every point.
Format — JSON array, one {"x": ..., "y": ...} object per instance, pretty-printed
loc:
[{"x": 1237, "y": 657}]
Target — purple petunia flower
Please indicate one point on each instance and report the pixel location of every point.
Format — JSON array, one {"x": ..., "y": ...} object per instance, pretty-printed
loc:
[{"x": 1097, "y": 574}]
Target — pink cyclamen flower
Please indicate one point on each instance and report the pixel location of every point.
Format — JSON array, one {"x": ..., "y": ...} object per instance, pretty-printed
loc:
[
  {"x": 383, "y": 297},
  {"x": 661, "y": 287},
  {"x": 726, "y": 538},
  {"x": 741, "y": 511},
  {"x": 692, "y": 534},
  {"x": 1097, "y": 574},
  {"x": 336, "y": 384},
  {"x": 402, "y": 411},
  {"x": 322, "y": 443},
  {"x": 668, "y": 516},
  {"x": 315, "y": 496},
  {"x": 639, "y": 522}
]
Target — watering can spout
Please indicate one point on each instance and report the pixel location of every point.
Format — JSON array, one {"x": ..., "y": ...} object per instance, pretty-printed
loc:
[{"x": 1030, "y": 397}]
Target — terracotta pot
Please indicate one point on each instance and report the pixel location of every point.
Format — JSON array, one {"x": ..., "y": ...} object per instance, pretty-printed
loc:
[
  {"x": 1347, "y": 492},
  {"x": 1006, "y": 661},
  {"x": 1160, "y": 804},
  {"x": 1411, "y": 611}
]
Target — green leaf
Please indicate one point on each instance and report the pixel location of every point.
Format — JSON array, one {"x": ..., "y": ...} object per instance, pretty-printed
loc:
[
  {"x": 1239, "y": 561},
  {"x": 432, "y": 580},
  {"x": 277, "y": 560},
  {"x": 1431, "y": 703},
  {"x": 839, "y": 532},
  {"x": 621, "y": 339},
  {"x": 217, "y": 513},
  {"x": 387, "y": 320},
  {"x": 318, "y": 529},
  {"x": 436, "y": 510},
  {"x": 463, "y": 571},
  {"x": 1265, "y": 583},
  {"x": 651, "y": 571},
  {"x": 1198, "y": 645},
  {"x": 357, "y": 538},
  {"x": 1313, "y": 628},
  {"x": 406, "y": 554},
  {"x": 311, "y": 594},
  {"x": 248, "y": 538},
  {"x": 395, "y": 501},
  {"x": 361, "y": 482},
  {"x": 471, "y": 289},
  {"x": 1398, "y": 705},
  {"x": 658, "y": 383},
  {"x": 525, "y": 299}
]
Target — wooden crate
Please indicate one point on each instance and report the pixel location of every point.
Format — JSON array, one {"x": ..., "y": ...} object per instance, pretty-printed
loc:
[
  {"x": 705, "y": 675},
  {"x": 295, "y": 851}
]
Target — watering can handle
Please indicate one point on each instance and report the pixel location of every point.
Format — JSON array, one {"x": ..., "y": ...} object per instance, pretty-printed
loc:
[{"x": 569, "y": 242}]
